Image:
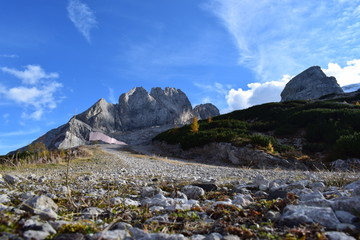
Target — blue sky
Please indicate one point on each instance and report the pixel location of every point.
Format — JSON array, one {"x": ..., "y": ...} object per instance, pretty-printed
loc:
[{"x": 57, "y": 58}]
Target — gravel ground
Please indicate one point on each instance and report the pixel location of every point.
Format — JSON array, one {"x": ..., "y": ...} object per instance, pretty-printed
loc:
[{"x": 121, "y": 194}]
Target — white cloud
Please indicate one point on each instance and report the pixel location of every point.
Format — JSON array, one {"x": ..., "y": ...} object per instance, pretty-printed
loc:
[
  {"x": 345, "y": 75},
  {"x": 31, "y": 75},
  {"x": 82, "y": 17},
  {"x": 20, "y": 132},
  {"x": 8, "y": 56},
  {"x": 285, "y": 37},
  {"x": 257, "y": 93},
  {"x": 35, "y": 99},
  {"x": 111, "y": 96},
  {"x": 215, "y": 87}
]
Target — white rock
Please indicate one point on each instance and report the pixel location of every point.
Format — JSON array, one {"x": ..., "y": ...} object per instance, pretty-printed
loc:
[
  {"x": 158, "y": 200},
  {"x": 261, "y": 180},
  {"x": 295, "y": 186},
  {"x": 345, "y": 217},
  {"x": 43, "y": 226},
  {"x": 312, "y": 196},
  {"x": 125, "y": 201},
  {"x": 41, "y": 205},
  {"x": 35, "y": 235},
  {"x": 193, "y": 192},
  {"x": 298, "y": 214},
  {"x": 318, "y": 186},
  {"x": 2, "y": 207},
  {"x": 156, "y": 209},
  {"x": 27, "y": 195},
  {"x": 351, "y": 204},
  {"x": 356, "y": 191},
  {"x": 273, "y": 186},
  {"x": 4, "y": 198},
  {"x": 214, "y": 236},
  {"x": 346, "y": 227},
  {"x": 352, "y": 185},
  {"x": 91, "y": 212},
  {"x": 338, "y": 236},
  {"x": 231, "y": 237},
  {"x": 11, "y": 179},
  {"x": 150, "y": 192},
  {"x": 242, "y": 200},
  {"x": 316, "y": 203},
  {"x": 273, "y": 216},
  {"x": 137, "y": 233},
  {"x": 112, "y": 235},
  {"x": 120, "y": 226},
  {"x": 197, "y": 237}
]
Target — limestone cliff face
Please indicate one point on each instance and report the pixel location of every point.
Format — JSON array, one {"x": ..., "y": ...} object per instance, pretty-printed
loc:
[
  {"x": 140, "y": 109},
  {"x": 136, "y": 110},
  {"x": 310, "y": 84},
  {"x": 102, "y": 116}
]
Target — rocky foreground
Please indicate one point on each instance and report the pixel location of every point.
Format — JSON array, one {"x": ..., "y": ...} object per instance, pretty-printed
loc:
[{"x": 119, "y": 194}]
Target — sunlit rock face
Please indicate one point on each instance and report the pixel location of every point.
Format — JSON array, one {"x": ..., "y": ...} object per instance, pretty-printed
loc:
[
  {"x": 310, "y": 84},
  {"x": 136, "y": 110}
]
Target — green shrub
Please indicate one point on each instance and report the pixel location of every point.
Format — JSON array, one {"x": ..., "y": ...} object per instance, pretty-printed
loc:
[
  {"x": 285, "y": 129},
  {"x": 314, "y": 147},
  {"x": 349, "y": 145},
  {"x": 262, "y": 140}
]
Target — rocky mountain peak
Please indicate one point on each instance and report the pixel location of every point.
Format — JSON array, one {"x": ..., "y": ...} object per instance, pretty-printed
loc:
[
  {"x": 310, "y": 84},
  {"x": 137, "y": 110}
]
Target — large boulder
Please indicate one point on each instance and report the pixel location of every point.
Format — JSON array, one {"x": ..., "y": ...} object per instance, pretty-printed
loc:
[
  {"x": 137, "y": 110},
  {"x": 310, "y": 84}
]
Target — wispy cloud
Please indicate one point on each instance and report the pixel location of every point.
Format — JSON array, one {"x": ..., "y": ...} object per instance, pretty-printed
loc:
[
  {"x": 157, "y": 55},
  {"x": 111, "y": 96},
  {"x": 35, "y": 99},
  {"x": 284, "y": 37},
  {"x": 82, "y": 17},
  {"x": 20, "y": 133},
  {"x": 8, "y": 56}
]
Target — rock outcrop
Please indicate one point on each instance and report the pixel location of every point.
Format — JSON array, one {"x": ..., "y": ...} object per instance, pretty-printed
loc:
[
  {"x": 310, "y": 84},
  {"x": 136, "y": 110},
  {"x": 204, "y": 111}
]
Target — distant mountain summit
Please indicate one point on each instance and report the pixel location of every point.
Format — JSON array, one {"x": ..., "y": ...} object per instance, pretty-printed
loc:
[
  {"x": 310, "y": 84},
  {"x": 136, "y": 110},
  {"x": 351, "y": 87}
]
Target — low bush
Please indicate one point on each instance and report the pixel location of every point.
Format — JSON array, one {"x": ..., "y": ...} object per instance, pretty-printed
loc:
[{"x": 349, "y": 145}]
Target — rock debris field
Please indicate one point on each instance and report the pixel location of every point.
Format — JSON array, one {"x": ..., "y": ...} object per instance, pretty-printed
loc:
[{"x": 119, "y": 194}]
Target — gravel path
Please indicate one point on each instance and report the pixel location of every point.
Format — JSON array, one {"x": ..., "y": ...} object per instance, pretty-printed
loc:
[
  {"x": 149, "y": 166},
  {"x": 118, "y": 193}
]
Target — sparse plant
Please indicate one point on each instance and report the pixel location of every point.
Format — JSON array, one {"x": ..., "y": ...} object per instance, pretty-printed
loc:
[
  {"x": 270, "y": 148},
  {"x": 195, "y": 125}
]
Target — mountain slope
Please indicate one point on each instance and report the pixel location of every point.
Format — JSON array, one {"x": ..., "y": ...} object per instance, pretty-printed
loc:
[
  {"x": 315, "y": 130},
  {"x": 136, "y": 110}
]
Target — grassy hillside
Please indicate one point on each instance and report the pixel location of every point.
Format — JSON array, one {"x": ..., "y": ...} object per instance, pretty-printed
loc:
[{"x": 329, "y": 129}]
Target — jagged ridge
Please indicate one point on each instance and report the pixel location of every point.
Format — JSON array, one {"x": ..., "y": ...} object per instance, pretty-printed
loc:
[{"x": 137, "y": 109}]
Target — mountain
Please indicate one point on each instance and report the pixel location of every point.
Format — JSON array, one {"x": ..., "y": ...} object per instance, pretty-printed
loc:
[
  {"x": 137, "y": 110},
  {"x": 310, "y": 84},
  {"x": 351, "y": 87}
]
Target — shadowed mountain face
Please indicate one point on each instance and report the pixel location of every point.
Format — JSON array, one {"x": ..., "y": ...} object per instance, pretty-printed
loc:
[
  {"x": 310, "y": 84},
  {"x": 136, "y": 110}
]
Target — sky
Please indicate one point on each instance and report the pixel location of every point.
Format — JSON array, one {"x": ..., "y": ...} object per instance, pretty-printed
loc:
[{"x": 57, "y": 58}]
